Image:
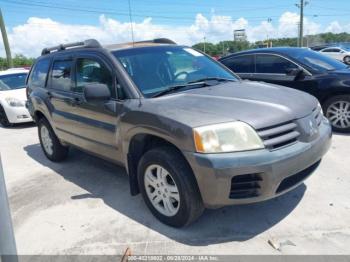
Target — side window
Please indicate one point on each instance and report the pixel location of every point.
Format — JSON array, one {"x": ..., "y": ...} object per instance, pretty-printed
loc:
[
  {"x": 331, "y": 50},
  {"x": 92, "y": 71},
  {"x": 241, "y": 64},
  {"x": 38, "y": 74},
  {"x": 61, "y": 75},
  {"x": 272, "y": 64}
]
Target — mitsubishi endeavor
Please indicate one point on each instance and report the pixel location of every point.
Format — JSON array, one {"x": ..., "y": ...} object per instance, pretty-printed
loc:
[{"x": 189, "y": 132}]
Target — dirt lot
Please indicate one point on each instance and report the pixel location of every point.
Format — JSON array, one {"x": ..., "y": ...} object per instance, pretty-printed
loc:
[{"x": 83, "y": 206}]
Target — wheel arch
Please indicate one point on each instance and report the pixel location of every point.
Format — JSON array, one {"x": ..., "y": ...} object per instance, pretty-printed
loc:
[
  {"x": 138, "y": 146},
  {"x": 330, "y": 96}
]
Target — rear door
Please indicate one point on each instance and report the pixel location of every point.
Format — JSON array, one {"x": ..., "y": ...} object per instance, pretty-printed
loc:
[
  {"x": 243, "y": 65},
  {"x": 60, "y": 97}
]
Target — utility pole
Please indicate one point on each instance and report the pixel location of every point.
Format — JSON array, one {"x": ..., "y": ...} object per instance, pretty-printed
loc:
[
  {"x": 204, "y": 43},
  {"x": 5, "y": 40},
  {"x": 301, "y": 23},
  {"x": 131, "y": 24}
]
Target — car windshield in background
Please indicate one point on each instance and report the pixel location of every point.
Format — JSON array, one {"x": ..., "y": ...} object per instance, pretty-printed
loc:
[
  {"x": 14, "y": 81},
  {"x": 156, "y": 69},
  {"x": 318, "y": 62}
]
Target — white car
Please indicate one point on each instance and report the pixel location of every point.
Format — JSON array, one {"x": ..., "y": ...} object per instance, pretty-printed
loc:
[
  {"x": 13, "y": 97},
  {"x": 337, "y": 53}
]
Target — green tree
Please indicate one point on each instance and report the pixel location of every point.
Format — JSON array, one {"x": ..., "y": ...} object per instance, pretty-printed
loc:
[{"x": 18, "y": 61}]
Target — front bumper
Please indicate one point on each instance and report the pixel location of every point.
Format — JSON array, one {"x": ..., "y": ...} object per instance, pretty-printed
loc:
[
  {"x": 253, "y": 176},
  {"x": 17, "y": 114}
]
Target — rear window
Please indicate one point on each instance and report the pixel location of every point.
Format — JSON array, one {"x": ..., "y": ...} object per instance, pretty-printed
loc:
[
  {"x": 241, "y": 64},
  {"x": 38, "y": 74},
  {"x": 61, "y": 75},
  {"x": 14, "y": 81}
]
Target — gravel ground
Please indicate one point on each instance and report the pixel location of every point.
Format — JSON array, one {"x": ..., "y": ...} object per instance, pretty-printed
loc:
[{"x": 83, "y": 206}]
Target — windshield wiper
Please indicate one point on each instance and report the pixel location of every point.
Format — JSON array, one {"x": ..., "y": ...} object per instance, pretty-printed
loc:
[
  {"x": 220, "y": 79},
  {"x": 178, "y": 87},
  {"x": 198, "y": 83}
]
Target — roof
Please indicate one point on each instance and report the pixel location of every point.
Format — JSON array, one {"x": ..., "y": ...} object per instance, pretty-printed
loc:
[
  {"x": 115, "y": 47},
  {"x": 281, "y": 50},
  {"x": 92, "y": 43},
  {"x": 13, "y": 71}
]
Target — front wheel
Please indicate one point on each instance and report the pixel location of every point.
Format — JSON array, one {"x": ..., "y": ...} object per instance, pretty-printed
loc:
[
  {"x": 168, "y": 187},
  {"x": 347, "y": 60},
  {"x": 49, "y": 142},
  {"x": 3, "y": 118},
  {"x": 337, "y": 110}
]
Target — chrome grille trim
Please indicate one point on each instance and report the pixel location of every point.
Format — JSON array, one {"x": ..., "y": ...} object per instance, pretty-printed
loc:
[
  {"x": 318, "y": 115},
  {"x": 278, "y": 136}
]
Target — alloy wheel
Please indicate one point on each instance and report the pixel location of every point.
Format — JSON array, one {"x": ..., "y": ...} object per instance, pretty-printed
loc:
[
  {"x": 347, "y": 60},
  {"x": 338, "y": 114},
  {"x": 46, "y": 140},
  {"x": 162, "y": 190}
]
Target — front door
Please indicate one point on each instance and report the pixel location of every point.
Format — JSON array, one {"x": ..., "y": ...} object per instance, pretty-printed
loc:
[
  {"x": 274, "y": 69},
  {"x": 96, "y": 128}
]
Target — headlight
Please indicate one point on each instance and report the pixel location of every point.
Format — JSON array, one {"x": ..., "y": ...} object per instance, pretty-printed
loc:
[
  {"x": 14, "y": 102},
  {"x": 226, "y": 137}
]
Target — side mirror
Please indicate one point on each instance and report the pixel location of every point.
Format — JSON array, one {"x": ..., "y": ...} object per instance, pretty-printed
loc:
[
  {"x": 296, "y": 72},
  {"x": 96, "y": 92}
]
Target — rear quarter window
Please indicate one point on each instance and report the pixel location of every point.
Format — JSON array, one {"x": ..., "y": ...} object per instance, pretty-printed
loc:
[
  {"x": 241, "y": 64},
  {"x": 37, "y": 77}
]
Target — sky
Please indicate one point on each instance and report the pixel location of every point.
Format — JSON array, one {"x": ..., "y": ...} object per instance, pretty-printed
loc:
[{"x": 35, "y": 24}]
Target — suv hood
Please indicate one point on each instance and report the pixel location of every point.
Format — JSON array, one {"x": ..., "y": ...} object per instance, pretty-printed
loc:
[{"x": 258, "y": 104}]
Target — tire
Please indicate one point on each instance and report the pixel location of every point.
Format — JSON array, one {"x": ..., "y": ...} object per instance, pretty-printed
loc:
[
  {"x": 346, "y": 60},
  {"x": 49, "y": 142},
  {"x": 189, "y": 206},
  {"x": 337, "y": 110},
  {"x": 3, "y": 118}
]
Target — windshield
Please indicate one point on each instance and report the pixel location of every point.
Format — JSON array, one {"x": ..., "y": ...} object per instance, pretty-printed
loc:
[
  {"x": 11, "y": 82},
  {"x": 318, "y": 62},
  {"x": 155, "y": 69}
]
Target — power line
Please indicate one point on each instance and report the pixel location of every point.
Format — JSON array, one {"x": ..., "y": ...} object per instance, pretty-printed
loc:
[{"x": 126, "y": 13}]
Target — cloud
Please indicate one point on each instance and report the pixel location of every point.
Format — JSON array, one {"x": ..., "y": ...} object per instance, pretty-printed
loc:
[{"x": 31, "y": 37}]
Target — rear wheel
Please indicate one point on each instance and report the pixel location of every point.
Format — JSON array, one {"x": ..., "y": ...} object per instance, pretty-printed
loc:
[
  {"x": 3, "y": 118},
  {"x": 337, "y": 110},
  {"x": 168, "y": 187},
  {"x": 49, "y": 142}
]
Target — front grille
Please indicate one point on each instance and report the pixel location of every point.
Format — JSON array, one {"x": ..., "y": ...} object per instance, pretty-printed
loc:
[
  {"x": 297, "y": 178},
  {"x": 245, "y": 186},
  {"x": 317, "y": 115},
  {"x": 277, "y": 136}
]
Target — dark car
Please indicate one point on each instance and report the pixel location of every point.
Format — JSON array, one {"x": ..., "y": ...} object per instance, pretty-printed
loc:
[
  {"x": 189, "y": 132},
  {"x": 309, "y": 71}
]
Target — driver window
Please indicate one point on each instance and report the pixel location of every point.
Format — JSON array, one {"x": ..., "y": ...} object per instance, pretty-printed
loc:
[
  {"x": 92, "y": 71},
  {"x": 272, "y": 64}
]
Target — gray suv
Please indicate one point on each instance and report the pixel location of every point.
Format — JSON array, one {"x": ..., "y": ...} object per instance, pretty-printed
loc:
[{"x": 189, "y": 132}]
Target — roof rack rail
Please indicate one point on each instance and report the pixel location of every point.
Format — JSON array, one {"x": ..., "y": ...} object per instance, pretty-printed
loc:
[{"x": 89, "y": 43}]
